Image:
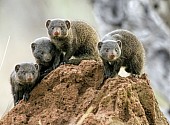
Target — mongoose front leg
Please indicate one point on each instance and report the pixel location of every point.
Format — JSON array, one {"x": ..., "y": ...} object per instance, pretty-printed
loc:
[
  {"x": 74, "y": 61},
  {"x": 26, "y": 96},
  {"x": 115, "y": 68},
  {"x": 68, "y": 55},
  {"x": 18, "y": 96},
  {"x": 27, "y": 91},
  {"x": 56, "y": 62},
  {"x": 107, "y": 71}
]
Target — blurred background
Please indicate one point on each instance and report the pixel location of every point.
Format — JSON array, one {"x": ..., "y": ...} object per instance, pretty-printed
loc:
[{"x": 23, "y": 21}]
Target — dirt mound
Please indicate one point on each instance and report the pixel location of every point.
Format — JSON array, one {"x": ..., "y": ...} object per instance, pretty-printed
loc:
[{"x": 75, "y": 95}]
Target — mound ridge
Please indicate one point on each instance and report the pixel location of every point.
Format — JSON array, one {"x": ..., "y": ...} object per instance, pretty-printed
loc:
[{"x": 75, "y": 95}]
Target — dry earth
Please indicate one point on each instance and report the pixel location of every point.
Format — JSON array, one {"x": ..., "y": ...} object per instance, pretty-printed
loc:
[{"x": 77, "y": 95}]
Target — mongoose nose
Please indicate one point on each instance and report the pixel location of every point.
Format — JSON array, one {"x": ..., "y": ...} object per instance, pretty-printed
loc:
[
  {"x": 112, "y": 56},
  {"x": 38, "y": 61},
  {"x": 47, "y": 57},
  {"x": 56, "y": 33},
  {"x": 29, "y": 79}
]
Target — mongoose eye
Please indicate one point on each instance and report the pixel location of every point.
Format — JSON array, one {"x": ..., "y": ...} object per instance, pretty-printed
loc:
[
  {"x": 107, "y": 50},
  {"x": 116, "y": 49},
  {"x": 23, "y": 72},
  {"x": 42, "y": 53},
  {"x": 52, "y": 27}
]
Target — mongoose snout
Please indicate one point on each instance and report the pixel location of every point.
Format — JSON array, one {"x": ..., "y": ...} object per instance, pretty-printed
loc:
[
  {"x": 57, "y": 32},
  {"x": 47, "y": 57},
  {"x": 111, "y": 56}
]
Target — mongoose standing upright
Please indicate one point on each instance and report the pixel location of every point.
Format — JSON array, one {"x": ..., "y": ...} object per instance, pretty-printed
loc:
[
  {"x": 121, "y": 48},
  {"x": 47, "y": 56},
  {"x": 75, "y": 38},
  {"x": 23, "y": 80}
]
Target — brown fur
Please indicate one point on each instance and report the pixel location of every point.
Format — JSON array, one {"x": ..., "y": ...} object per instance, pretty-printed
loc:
[
  {"x": 132, "y": 53},
  {"x": 23, "y": 79},
  {"x": 81, "y": 40}
]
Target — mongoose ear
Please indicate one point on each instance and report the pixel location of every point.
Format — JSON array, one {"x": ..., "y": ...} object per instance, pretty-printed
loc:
[
  {"x": 33, "y": 46},
  {"x": 68, "y": 24},
  {"x": 47, "y": 23},
  {"x": 119, "y": 43},
  {"x": 36, "y": 66},
  {"x": 100, "y": 45},
  {"x": 17, "y": 68}
]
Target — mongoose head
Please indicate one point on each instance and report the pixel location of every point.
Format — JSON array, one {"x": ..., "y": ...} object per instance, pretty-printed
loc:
[
  {"x": 26, "y": 72},
  {"x": 111, "y": 36},
  {"x": 43, "y": 50},
  {"x": 110, "y": 50},
  {"x": 58, "y": 28}
]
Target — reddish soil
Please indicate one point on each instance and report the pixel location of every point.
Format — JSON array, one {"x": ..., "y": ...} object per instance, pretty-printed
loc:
[{"x": 76, "y": 95}]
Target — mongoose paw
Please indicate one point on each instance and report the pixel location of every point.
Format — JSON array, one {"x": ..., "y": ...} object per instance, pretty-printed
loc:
[
  {"x": 114, "y": 75},
  {"x": 62, "y": 63},
  {"x": 135, "y": 75},
  {"x": 106, "y": 76},
  {"x": 26, "y": 96},
  {"x": 16, "y": 103},
  {"x": 55, "y": 66},
  {"x": 43, "y": 75},
  {"x": 48, "y": 71}
]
